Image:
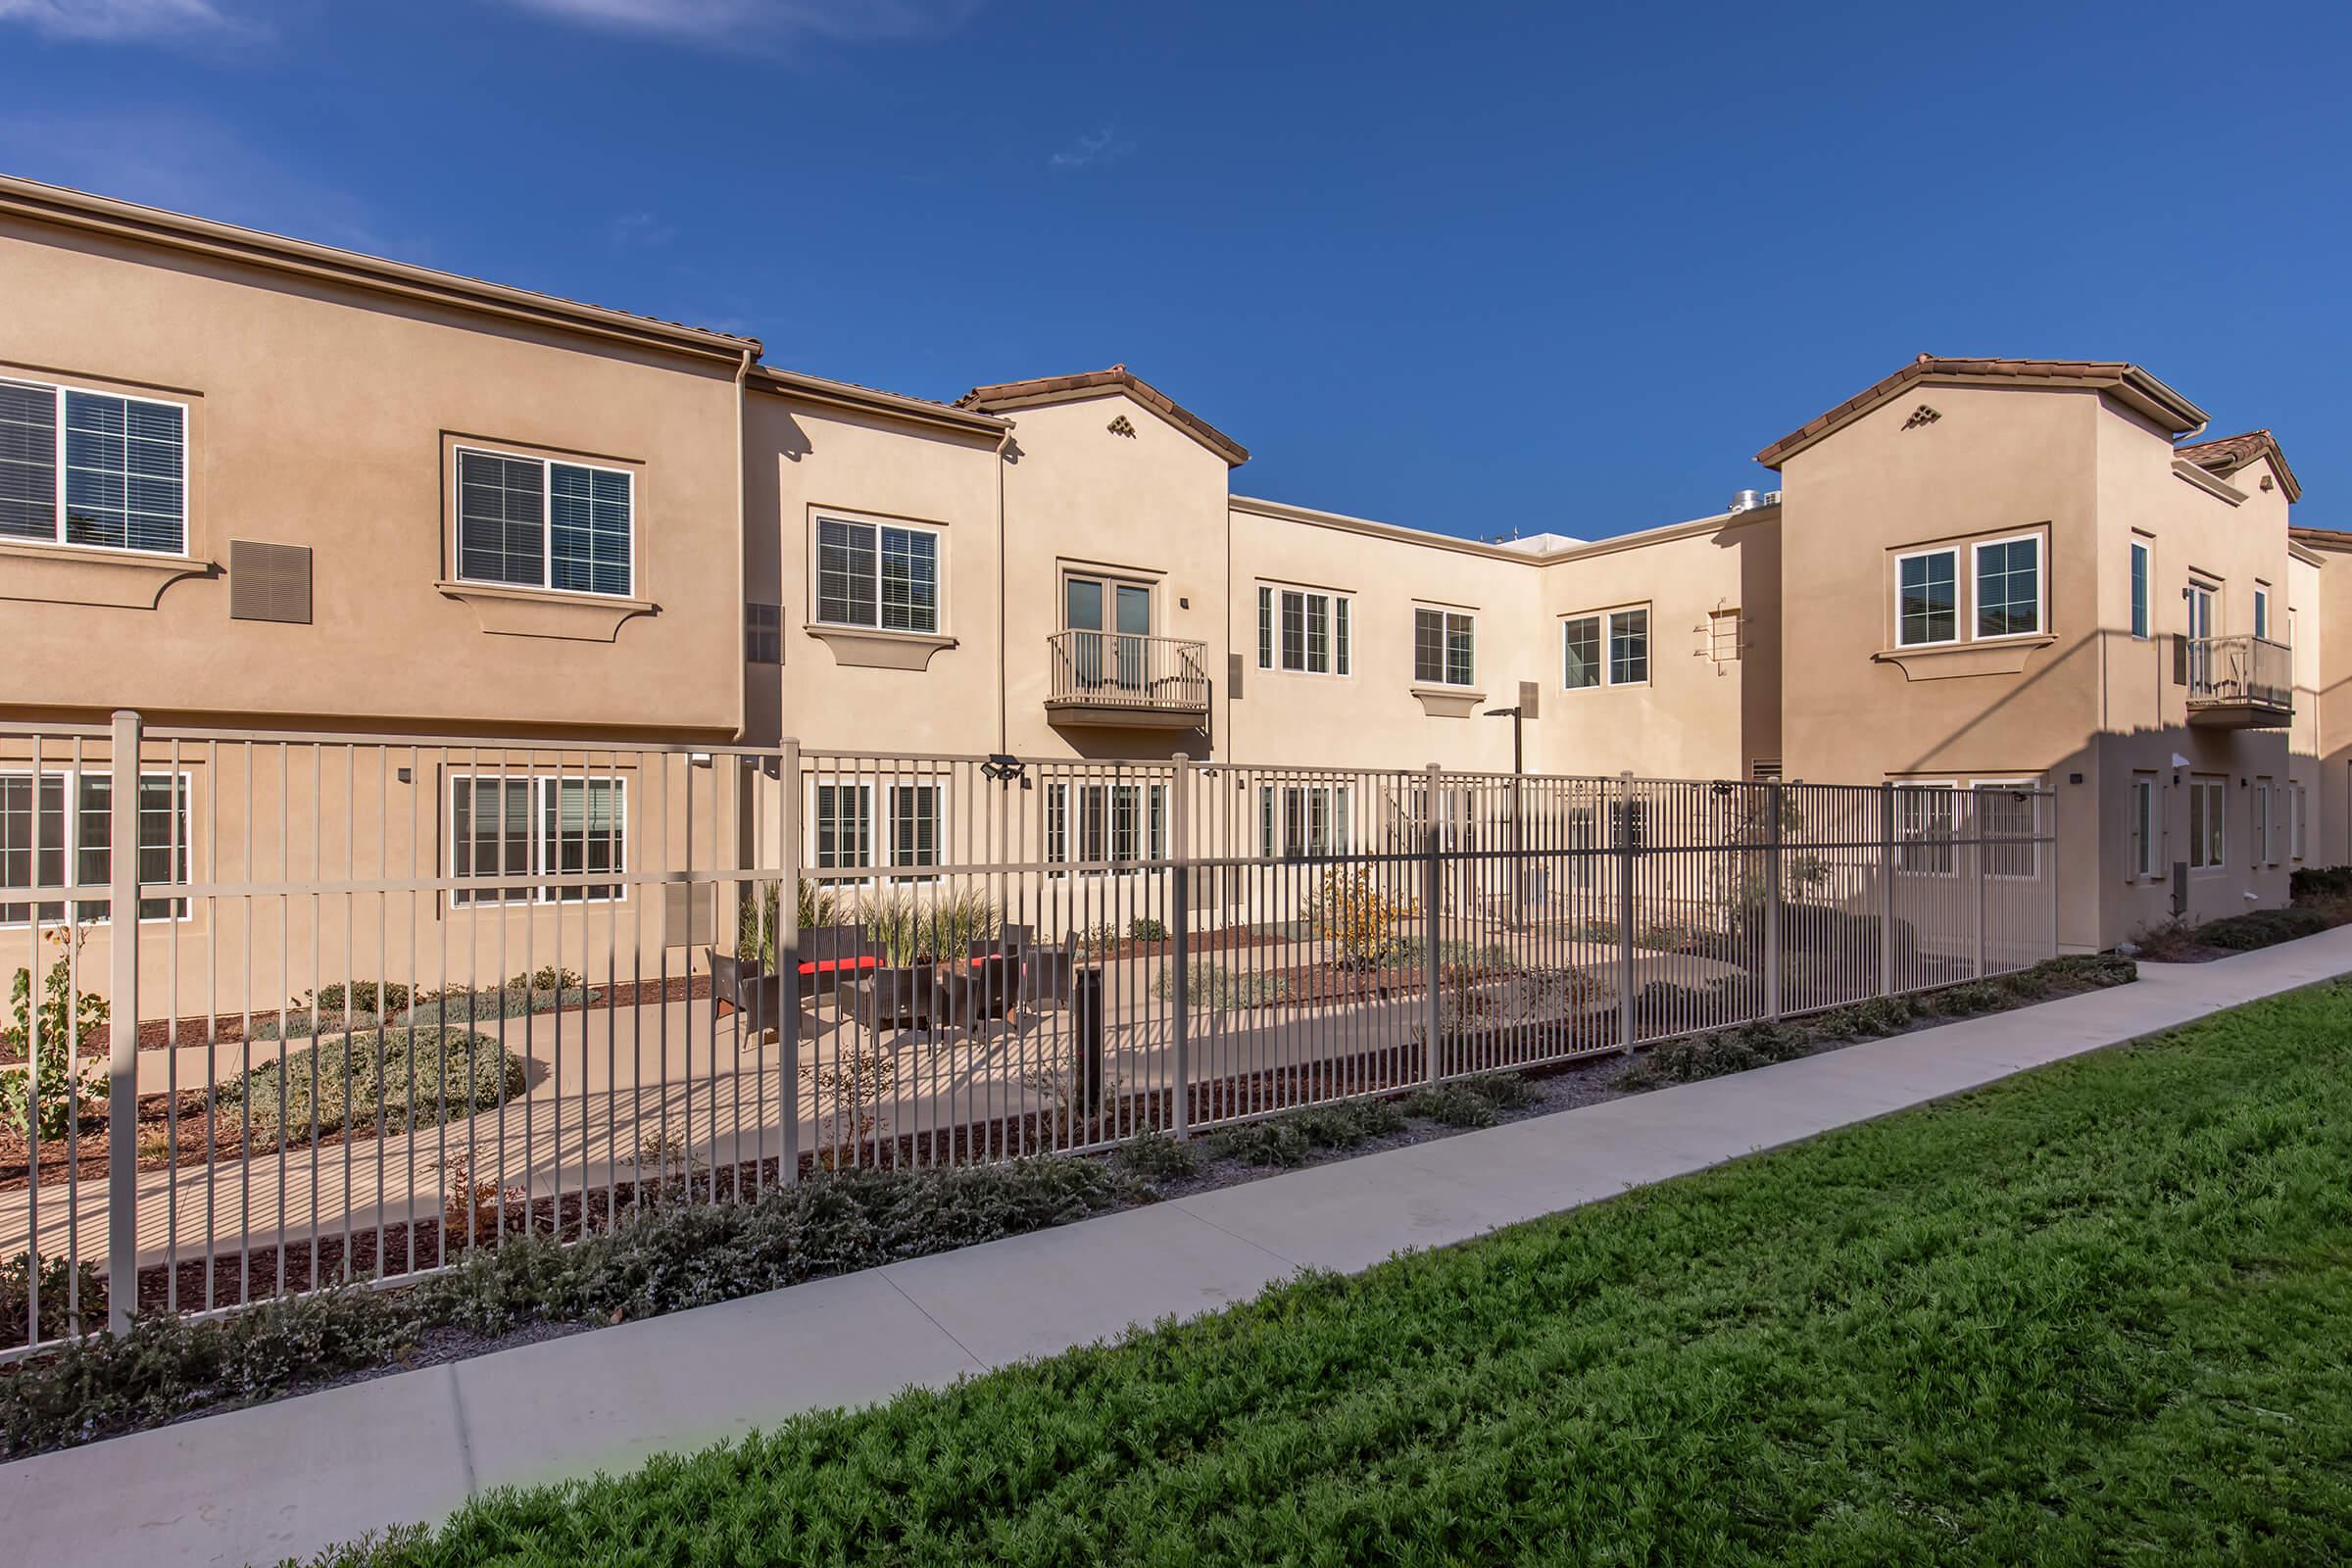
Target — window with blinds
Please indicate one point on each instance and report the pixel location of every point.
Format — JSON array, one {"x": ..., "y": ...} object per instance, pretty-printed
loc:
[
  {"x": 1445, "y": 648},
  {"x": 531, "y": 523},
  {"x": 95, "y": 468},
  {"x": 507, "y": 832},
  {"x": 876, "y": 575},
  {"x": 1302, "y": 630}
]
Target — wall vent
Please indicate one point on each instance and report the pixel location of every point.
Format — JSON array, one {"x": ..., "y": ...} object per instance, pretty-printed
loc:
[
  {"x": 268, "y": 582},
  {"x": 1529, "y": 691},
  {"x": 1233, "y": 674}
]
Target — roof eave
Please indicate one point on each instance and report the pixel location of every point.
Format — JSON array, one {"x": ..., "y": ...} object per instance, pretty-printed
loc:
[
  {"x": 819, "y": 389},
  {"x": 57, "y": 205},
  {"x": 2143, "y": 393}
]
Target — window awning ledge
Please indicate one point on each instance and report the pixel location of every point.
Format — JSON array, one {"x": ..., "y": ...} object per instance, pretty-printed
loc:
[
  {"x": 1449, "y": 702},
  {"x": 861, "y": 647},
  {"x": 506, "y": 611},
  {"x": 1944, "y": 661},
  {"x": 82, "y": 574}
]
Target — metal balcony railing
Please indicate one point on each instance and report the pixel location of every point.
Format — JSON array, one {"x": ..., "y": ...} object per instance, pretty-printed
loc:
[
  {"x": 1106, "y": 669},
  {"x": 2248, "y": 672}
]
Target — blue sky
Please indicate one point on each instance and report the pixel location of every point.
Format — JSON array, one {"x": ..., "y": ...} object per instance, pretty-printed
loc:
[{"x": 1469, "y": 267}]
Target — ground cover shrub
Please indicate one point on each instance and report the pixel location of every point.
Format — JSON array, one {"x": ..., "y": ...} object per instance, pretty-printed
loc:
[
  {"x": 2312, "y": 883},
  {"x": 661, "y": 1257},
  {"x": 1470, "y": 1101},
  {"x": 301, "y": 1023},
  {"x": 1156, "y": 1157},
  {"x": 1212, "y": 985},
  {"x": 1148, "y": 928},
  {"x": 66, "y": 1294},
  {"x": 1295, "y": 1136},
  {"x": 2262, "y": 928},
  {"x": 400, "y": 1078},
  {"x": 363, "y": 996},
  {"x": 459, "y": 1006}
]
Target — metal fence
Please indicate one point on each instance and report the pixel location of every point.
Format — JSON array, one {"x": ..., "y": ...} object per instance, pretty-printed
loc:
[{"x": 388, "y": 999}]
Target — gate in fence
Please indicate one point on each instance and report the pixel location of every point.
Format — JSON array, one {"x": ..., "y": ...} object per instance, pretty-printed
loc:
[{"x": 388, "y": 999}]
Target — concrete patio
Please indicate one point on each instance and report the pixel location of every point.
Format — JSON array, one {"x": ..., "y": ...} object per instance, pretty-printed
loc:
[{"x": 292, "y": 1478}]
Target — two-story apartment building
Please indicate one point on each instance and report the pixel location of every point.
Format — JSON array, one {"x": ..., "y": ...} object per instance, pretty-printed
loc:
[{"x": 256, "y": 484}]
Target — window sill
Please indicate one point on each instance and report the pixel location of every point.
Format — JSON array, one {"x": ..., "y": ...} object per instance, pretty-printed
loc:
[
  {"x": 1449, "y": 702},
  {"x": 2006, "y": 656},
  {"x": 88, "y": 574},
  {"x": 867, "y": 647},
  {"x": 508, "y": 612}
]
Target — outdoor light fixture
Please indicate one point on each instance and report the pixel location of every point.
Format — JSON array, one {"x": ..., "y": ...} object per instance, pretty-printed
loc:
[{"x": 1004, "y": 769}]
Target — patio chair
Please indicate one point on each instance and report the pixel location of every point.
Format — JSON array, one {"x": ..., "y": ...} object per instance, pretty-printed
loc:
[
  {"x": 1048, "y": 975},
  {"x": 755, "y": 993},
  {"x": 895, "y": 998},
  {"x": 1010, "y": 942}
]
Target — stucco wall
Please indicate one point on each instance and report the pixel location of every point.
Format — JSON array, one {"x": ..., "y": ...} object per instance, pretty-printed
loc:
[{"x": 324, "y": 416}]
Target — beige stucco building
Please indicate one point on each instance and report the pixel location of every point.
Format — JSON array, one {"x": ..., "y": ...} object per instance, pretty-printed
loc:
[{"x": 247, "y": 483}]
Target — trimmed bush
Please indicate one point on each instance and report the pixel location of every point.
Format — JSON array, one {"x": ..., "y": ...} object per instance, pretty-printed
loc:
[
  {"x": 461, "y": 1007},
  {"x": 1298, "y": 1135},
  {"x": 407, "y": 1078},
  {"x": 300, "y": 1023},
  {"x": 2319, "y": 882},
  {"x": 365, "y": 996},
  {"x": 57, "y": 1306},
  {"x": 1226, "y": 990},
  {"x": 660, "y": 1257},
  {"x": 1156, "y": 1156},
  {"x": 2262, "y": 928}
]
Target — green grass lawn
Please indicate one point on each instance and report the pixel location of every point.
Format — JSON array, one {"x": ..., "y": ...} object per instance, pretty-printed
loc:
[{"x": 2102, "y": 1314}]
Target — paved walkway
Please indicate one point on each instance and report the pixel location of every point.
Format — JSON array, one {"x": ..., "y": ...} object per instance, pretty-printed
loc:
[{"x": 253, "y": 1486}]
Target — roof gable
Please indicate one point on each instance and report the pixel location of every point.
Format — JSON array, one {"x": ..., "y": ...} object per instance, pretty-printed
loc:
[
  {"x": 2231, "y": 452},
  {"x": 2128, "y": 383},
  {"x": 1006, "y": 396}
]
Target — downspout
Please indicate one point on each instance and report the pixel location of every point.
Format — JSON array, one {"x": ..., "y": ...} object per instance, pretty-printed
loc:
[
  {"x": 743, "y": 677},
  {"x": 1004, "y": 700}
]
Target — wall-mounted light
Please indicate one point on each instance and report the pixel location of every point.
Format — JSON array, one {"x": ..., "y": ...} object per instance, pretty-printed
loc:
[{"x": 404, "y": 775}]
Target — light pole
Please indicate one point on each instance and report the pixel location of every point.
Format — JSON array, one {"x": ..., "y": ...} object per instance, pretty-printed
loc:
[{"x": 1517, "y": 715}]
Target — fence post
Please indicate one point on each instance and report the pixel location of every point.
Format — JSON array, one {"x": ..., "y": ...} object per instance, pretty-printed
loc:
[
  {"x": 1975, "y": 814},
  {"x": 1180, "y": 912},
  {"x": 122, "y": 1041},
  {"x": 1775, "y": 800},
  {"x": 1887, "y": 889},
  {"x": 1625, "y": 912},
  {"x": 788, "y": 953},
  {"x": 1432, "y": 893}
]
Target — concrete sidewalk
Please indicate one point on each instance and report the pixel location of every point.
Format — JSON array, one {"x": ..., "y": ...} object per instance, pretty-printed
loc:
[{"x": 292, "y": 1478}]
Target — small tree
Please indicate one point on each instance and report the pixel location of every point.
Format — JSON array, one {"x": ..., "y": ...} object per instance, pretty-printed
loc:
[
  {"x": 1354, "y": 913},
  {"x": 64, "y": 1088}
]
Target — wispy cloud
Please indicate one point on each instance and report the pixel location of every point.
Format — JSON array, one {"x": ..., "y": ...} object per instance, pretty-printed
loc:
[
  {"x": 1100, "y": 150},
  {"x": 765, "y": 22},
  {"x": 114, "y": 20},
  {"x": 631, "y": 231}
]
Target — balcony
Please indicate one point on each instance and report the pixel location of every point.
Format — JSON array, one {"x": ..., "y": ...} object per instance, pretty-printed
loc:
[
  {"x": 2236, "y": 682},
  {"x": 1121, "y": 680}
]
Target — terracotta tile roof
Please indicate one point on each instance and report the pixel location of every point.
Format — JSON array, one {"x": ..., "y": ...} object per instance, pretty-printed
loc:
[
  {"x": 2232, "y": 453},
  {"x": 833, "y": 390},
  {"x": 1006, "y": 394},
  {"x": 2135, "y": 385},
  {"x": 2329, "y": 538}
]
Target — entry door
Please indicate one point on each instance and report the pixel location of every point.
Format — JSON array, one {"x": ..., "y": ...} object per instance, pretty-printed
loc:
[{"x": 1130, "y": 607}]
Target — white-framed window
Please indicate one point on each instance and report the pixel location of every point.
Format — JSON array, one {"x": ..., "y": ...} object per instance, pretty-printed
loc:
[
  {"x": 915, "y": 824},
  {"x": 845, "y": 832},
  {"x": 1122, "y": 825},
  {"x": 2008, "y": 586},
  {"x": 2262, "y": 610},
  {"x": 2147, "y": 827},
  {"x": 841, "y": 828},
  {"x": 1925, "y": 825},
  {"x": 2007, "y": 812},
  {"x": 104, "y": 470},
  {"x": 43, "y": 844},
  {"x": 1927, "y": 598},
  {"x": 1580, "y": 640},
  {"x": 880, "y": 576},
  {"x": 1302, "y": 820},
  {"x": 510, "y": 829},
  {"x": 539, "y": 523},
  {"x": 1629, "y": 647},
  {"x": 2208, "y": 832},
  {"x": 2298, "y": 818},
  {"x": 2143, "y": 577},
  {"x": 1445, "y": 646},
  {"x": 1304, "y": 630},
  {"x": 2266, "y": 849}
]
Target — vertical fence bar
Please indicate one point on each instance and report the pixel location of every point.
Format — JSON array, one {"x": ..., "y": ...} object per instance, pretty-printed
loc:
[
  {"x": 1624, "y": 834},
  {"x": 1775, "y": 800},
  {"x": 788, "y": 955},
  {"x": 1432, "y": 931},
  {"x": 1180, "y": 918},
  {"x": 1887, "y": 889},
  {"x": 122, "y": 1045}
]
